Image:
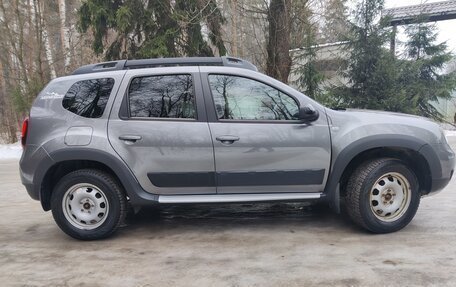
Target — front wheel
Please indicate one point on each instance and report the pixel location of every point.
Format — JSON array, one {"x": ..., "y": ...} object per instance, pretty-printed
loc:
[
  {"x": 382, "y": 195},
  {"x": 88, "y": 204}
]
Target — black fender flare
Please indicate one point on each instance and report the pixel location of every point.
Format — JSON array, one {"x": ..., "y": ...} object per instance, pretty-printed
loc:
[
  {"x": 331, "y": 191},
  {"x": 136, "y": 194}
]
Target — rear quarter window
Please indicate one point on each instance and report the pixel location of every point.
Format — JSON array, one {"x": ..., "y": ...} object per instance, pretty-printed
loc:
[{"x": 88, "y": 98}]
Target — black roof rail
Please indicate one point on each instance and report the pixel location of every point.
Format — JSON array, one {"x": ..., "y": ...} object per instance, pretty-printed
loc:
[{"x": 164, "y": 62}]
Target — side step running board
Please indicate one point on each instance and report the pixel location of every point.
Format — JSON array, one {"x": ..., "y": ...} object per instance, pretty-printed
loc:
[{"x": 251, "y": 197}]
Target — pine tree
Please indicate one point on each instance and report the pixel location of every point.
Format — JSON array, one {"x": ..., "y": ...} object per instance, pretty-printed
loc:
[
  {"x": 372, "y": 71},
  {"x": 145, "y": 29},
  {"x": 422, "y": 74},
  {"x": 310, "y": 78},
  {"x": 335, "y": 18}
]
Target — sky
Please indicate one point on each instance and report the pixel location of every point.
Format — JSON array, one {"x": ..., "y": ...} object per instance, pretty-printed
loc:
[{"x": 446, "y": 28}]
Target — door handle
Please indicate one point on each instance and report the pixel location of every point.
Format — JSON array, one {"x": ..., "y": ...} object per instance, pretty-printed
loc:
[
  {"x": 130, "y": 138},
  {"x": 227, "y": 139}
]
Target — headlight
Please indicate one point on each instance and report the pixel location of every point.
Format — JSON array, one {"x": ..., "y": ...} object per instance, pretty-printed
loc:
[{"x": 444, "y": 142}]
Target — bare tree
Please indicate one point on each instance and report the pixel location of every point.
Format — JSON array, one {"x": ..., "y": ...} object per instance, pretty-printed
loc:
[{"x": 39, "y": 41}]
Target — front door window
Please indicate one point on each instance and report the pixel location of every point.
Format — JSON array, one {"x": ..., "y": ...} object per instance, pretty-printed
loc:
[{"x": 238, "y": 98}]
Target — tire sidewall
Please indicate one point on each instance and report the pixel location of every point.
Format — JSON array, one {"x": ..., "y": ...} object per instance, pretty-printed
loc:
[
  {"x": 376, "y": 224},
  {"x": 112, "y": 217}
]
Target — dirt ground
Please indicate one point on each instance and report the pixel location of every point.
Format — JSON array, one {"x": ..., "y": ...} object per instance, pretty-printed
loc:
[{"x": 226, "y": 245}]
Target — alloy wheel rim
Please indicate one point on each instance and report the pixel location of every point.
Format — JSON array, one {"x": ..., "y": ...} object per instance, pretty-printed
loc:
[
  {"x": 390, "y": 197},
  {"x": 85, "y": 206}
]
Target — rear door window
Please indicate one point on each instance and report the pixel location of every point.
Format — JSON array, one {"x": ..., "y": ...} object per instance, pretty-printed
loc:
[{"x": 164, "y": 96}]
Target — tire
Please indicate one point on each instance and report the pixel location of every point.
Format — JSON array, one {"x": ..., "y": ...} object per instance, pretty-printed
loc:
[
  {"x": 382, "y": 195},
  {"x": 88, "y": 204}
]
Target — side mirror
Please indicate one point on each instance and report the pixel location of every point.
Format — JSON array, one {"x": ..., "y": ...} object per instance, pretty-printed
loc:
[{"x": 308, "y": 113}]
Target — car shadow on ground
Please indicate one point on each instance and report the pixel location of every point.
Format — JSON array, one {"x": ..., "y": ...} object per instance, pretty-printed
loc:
[{"x": 237, "y": 216}]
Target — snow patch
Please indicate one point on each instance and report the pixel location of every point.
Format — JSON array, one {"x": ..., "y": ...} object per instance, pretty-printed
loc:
[
  {"x": 451, "y": 133},
  {"x": 10, "y": 151}
]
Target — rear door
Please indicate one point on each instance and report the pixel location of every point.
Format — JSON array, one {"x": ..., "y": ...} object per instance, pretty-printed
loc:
[
  {"x": 260, "y": 144},
  {"x": 158, "y": 126}
]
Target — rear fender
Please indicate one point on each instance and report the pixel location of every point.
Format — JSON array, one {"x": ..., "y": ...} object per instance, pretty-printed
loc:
[{"x": 134, "y": 192}]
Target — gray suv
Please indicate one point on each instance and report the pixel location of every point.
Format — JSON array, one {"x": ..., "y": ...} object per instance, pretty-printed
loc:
[{"x": 214, "y": 130}]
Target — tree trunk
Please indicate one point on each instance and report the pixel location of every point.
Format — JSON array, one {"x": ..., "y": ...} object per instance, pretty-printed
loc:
[
  {"x": 278, "y": 64},
  {"x": 20, "y": 52},
  {"x": 64, "y": 34},
  {"x": 39, "y": 39},
  {"x": 47, "y": 44},
  {"x": 234, "y": 44}
]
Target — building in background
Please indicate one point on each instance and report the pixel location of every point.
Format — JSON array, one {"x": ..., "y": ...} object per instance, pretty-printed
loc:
[{"x": 331, "y": 61}]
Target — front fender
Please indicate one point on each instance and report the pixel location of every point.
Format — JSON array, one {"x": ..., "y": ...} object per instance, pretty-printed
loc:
[{"x": 342, "y": 158}]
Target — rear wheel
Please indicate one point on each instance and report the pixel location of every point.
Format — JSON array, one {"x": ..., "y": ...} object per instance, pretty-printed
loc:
[
  {"x": 88, "y": 204},
  {"x": 382, "y": 195}
]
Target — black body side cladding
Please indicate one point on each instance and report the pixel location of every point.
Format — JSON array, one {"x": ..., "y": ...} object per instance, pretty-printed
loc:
[
  {"x": 288, "y": 177},
  {"x": 181, "y": 179},
  {"x": 205, "y": 179}
]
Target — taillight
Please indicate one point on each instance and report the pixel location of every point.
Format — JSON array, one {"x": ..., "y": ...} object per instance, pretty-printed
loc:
[{"x": 25, "y": 124}]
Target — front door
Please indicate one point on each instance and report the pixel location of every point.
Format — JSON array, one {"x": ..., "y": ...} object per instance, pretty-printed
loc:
[
  {"x": 259, "y": 143},
  {"x": 161, "y": 131}
]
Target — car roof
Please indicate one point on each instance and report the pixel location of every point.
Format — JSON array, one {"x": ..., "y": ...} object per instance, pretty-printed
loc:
[{"x": 164, "y": 62}]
